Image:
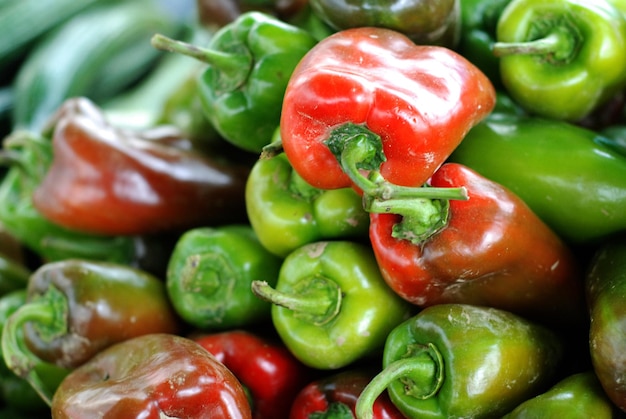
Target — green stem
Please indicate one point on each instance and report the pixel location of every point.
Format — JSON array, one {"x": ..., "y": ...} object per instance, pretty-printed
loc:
[
  {"x": 234, "y": 67},
  {"x": 547, "y": 45},
  {"x": 48, "y": 313},
  {"x": 316, "y": 299},
  {"x": 421, "y": 374}
]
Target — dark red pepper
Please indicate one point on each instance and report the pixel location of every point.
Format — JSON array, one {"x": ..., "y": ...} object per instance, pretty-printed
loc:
[
  {"x": 266, "y": 368},
  {"x": 152, "y": 376},
  {"x": 111, "y": 181},
  {"x": 335, "y": 397},
  {"x": 490, "y": 249}
]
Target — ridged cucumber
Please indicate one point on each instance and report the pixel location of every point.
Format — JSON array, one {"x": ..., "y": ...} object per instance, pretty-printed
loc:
[{"x": 96, "y": 54}]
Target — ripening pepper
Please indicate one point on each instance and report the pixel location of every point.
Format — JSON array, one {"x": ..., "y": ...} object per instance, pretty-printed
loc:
[
  {"x": 577, "y": 396},
  {"x": 110, "y": 181},
  {"x": 490, "y": 249},
  {"x": 561, "y": 59},
  {"x": 456, "y": 360},
  {"x": 605, "y": 287},
  {"x": 209, "y": 276},
  {"x": 334, "y": 397},
  {"x": 76, "y": 308},
  {"x": 271, "y": 375},
  {"x": 566, "y": 174},
  {"x": 369, "y": 99},
  {"x": 331, "y": 306},
  {"x": 249, "y": 62},
  {"x": 152, "y": 376},
  {"x": 286, "y": 212},
  {"x": 425, "y": 22},
  {"x": 29, "y": 155}
]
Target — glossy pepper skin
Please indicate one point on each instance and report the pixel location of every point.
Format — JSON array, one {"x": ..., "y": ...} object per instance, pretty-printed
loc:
[
  {"x": 490, "y": 250},
  {"x": 107, "y": 181},
  {"x": 265, "y": 367},
  {"x": 479, "y": 19},
  {"x": 568, "y": 175},
  {"x": 30, "y": 155},
  {"x": 76, "y": 308},
  {"x": 331, "y": 306},
  {"x": 561, "y": 58},
  {"x": 366, "y": 95},
  {"x": 120, "y": 381},
  {"x": 605, "y": 286},
  {"x": 249, "y": 62},
  {"x": 428, "y": 22},
  {"x": 577, "y": 396},
  {"x": 334, "y": 397},
  {"x": 456, "y": 360},
  {"x": 286, "y": 212},
  {"x": 209, "y": 276}
]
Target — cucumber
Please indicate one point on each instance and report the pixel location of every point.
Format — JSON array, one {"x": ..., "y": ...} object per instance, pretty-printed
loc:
[{"x": 97, "y": 54}]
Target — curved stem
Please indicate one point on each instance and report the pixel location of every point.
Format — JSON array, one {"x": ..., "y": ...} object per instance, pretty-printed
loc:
[
  {"x": 547, "y": 45},
  {"x": 317, "y": 299},
  {"x": 234, "y": 66},
  {"x": 424, "y": 368},
  {"x": 43, "y": 312}
]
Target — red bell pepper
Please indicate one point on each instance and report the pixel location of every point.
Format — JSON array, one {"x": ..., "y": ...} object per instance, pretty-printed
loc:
[
  {"x": 111, "y": 181},
  {"x": 152, "y": 376},
  {"x": 369, "y": 99},
  {"x": 335, "y": 397},
  {"x": 270, "y": 373},
  {"x": 488, "y": 250}
]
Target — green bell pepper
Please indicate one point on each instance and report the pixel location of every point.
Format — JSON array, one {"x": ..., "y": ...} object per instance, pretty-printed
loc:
[
  {"x": 456, "y": 360},
  {"x": 286, "y": 212},
  {"x": 249, "y": 62},
  {"x": 424, "y": 21},
  {"x": 578, "y": 396},
  {"x": 209, "y": 276},
  {"x": 605, "y": 287},
  {"x": 561, "y": 58},
  {"x": 29, "y": 156},
  {"x": 565, "y": 173},
  {"x": 331, "y": 306},
  {"x": 478, "y": 34},
  {"x": 15, "y": 392}
]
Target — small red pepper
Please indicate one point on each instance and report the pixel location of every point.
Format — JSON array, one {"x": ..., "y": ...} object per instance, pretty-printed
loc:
[
  {"x": 490, "y": 249},
  {"x": 335, "y": 397},
  {"x": 412, "y": 103},
  {"x": 271, "y": 374},
  {"x": 151, "y": 377},
  {"x": 111, "y": 181}
]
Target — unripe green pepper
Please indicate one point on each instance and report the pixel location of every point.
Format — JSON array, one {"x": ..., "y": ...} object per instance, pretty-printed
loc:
[
  {"x": 606, "y": 287},
  {"x": 331, "y": 306},
  {"x": 578, "y": 396},
  {"x": 566, "y": 174},
  {"x": 286, "y": 212},
  {"x": 461, "y": 361},
  {"x": 249, "y": 62},
  {"x": 209, "y": 276},
  {"x": 561, "y": 58}
]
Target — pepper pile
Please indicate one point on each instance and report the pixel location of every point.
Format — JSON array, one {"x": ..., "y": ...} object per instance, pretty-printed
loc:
[{"x": 313, "y": 208}]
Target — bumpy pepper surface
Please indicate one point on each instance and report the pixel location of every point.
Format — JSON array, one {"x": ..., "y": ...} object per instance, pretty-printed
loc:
[
  {"x": 76, "y": 308},
  {"x": 455, "y": 360},
  {"x": 152, "y": 376},
  {"x": 561, "y": 58},
  {"x": 414, "y": 102},
  {"x": 249, "y": 61}
]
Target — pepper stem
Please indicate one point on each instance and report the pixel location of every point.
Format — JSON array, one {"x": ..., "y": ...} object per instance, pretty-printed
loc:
[
  {"x": 49, "y": 313},
  {"x": 233, "y": 67},
  {"x": 421, "y": 374},
  {"x": 316, "y": 299}
]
